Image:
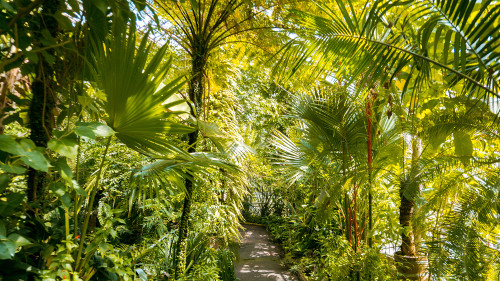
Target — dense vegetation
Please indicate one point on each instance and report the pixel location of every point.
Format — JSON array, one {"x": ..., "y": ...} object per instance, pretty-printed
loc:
[{"x": 137, "y": 135}]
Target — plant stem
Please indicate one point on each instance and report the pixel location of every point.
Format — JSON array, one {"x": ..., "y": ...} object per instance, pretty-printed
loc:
[
  {"x": 89, "y": 207},
  {"x": 66, "y": 226},
  {"x": 77, "y": 198}
]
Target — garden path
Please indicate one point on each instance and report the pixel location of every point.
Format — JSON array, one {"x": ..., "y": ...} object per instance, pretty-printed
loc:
[{"x": 259, "y": 258}]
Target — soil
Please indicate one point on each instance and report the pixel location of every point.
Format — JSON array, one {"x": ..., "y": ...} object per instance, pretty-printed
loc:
[{"x": 259, "y": 258}]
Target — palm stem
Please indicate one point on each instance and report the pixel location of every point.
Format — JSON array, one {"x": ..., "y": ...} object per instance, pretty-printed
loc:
[
  {"x": 77, "y": 172},
  {"x": 369, "y": 152},
  {"x": 196, "y": 94}
]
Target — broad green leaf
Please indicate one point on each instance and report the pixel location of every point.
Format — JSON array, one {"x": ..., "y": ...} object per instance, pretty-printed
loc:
[
  {"x": 13, "y": 169},
  {"x": 9, "y": 203},
  {"x": 102, "y": 130},
  {"x": 93, "y": 130},
  {"x": 85, "y": 131},
  {"x": 65, "y": 171},
  {"x": 142, "y": 274},
  {"x": 79, "y": 189},
  {"x": 7, "y": 249},
  {"x": 66, "y": 200},
  {"x": 58, "y": 188},
  {"x": 36, "y": 160},
  {"x": 27, "y": 144},
  {"x": 67, "y": 147},
  {"x": 8, "y": 144},
  {"x": 18, "y": 240},
  {"x": 84, "y": 100}
]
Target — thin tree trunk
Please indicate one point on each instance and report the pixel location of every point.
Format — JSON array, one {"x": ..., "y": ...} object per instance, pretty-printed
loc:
[
  {"x": 348, "y": 219},
  {"x": 405, "y": 220},
  {"x": 355, "y": 220},
  {"x": 407, "y": 193},
  {"x": 411, "y": 266},
  {"x": 181, "y": 246},
  {"x": 196, "y": 92},
  {"x": 369, "y": 153}
]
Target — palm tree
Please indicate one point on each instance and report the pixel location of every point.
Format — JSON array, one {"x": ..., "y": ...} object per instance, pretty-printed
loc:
[
  {"x": 331, "y": 140},
  {"x": 380, "y": 44},
  {"x": 454, "y": 166},
  {"x": 136, "y": 111},
  {"x": 199, "y": 27}
]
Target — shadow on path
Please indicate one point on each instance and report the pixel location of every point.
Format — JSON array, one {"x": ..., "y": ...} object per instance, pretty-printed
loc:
[{"x": 259, "y": 257}]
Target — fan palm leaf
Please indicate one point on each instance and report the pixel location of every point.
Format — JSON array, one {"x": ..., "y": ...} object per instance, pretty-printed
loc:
[
  {"x": 332, "y": 137},
  {"x": 335, "y": 120},
  {"x": 135, "y": 105}
]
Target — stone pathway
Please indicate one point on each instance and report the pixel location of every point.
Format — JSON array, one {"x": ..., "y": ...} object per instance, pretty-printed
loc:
[{"x": 259, "y": 257}]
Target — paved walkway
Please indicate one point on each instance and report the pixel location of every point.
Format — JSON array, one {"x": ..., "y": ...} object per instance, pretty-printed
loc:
[{"x": 259, "y": 258}]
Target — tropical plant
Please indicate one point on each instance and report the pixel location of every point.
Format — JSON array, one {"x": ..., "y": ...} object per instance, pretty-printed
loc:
[
  {"x": 134, "y": 104},
  {"x": 199, "y": 28},
  {"x": 380, "y": 42},
  {"x": 328, "y": 156},
  {"x": 408, "y": 43},
  {"x": 373, "y": 150}
]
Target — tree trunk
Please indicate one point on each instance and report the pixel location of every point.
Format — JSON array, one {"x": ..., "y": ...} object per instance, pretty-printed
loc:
[
  {"x": 181, "y": 246},
  {"x": 405, "y": 220},
  {"x": 8, "y": 82},
  {"x": 410, "y": 265},
  {"x": 408, "y": 191},
  {"x": 369, "y": 104},
  {"x": 195, "y": 91},
  {"x": 43, "y": 103}
]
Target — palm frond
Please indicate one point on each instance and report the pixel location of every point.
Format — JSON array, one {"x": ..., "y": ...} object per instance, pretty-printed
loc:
[
  {"x": 168, "y": 174},
  {"x": 364, "y": 44},
  {"x": 227, "y": 144},
  {"x": 130, "y": 79}
]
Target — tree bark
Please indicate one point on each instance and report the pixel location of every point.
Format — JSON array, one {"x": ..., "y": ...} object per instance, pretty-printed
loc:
[
  {"x": 43, "y": 103},
  {"x": 405, "y": 220},
  {"x": 408, "y": 191},
  {"x": 196, "y": 92},
  {"x": 410, "y": 265}
]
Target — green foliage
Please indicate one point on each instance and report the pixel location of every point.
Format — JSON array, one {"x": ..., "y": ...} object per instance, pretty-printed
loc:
[
  {"x": 134, "y": 99},
  {"x": 25, "y": 151},
  {"x": 380, "y": 126}
]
